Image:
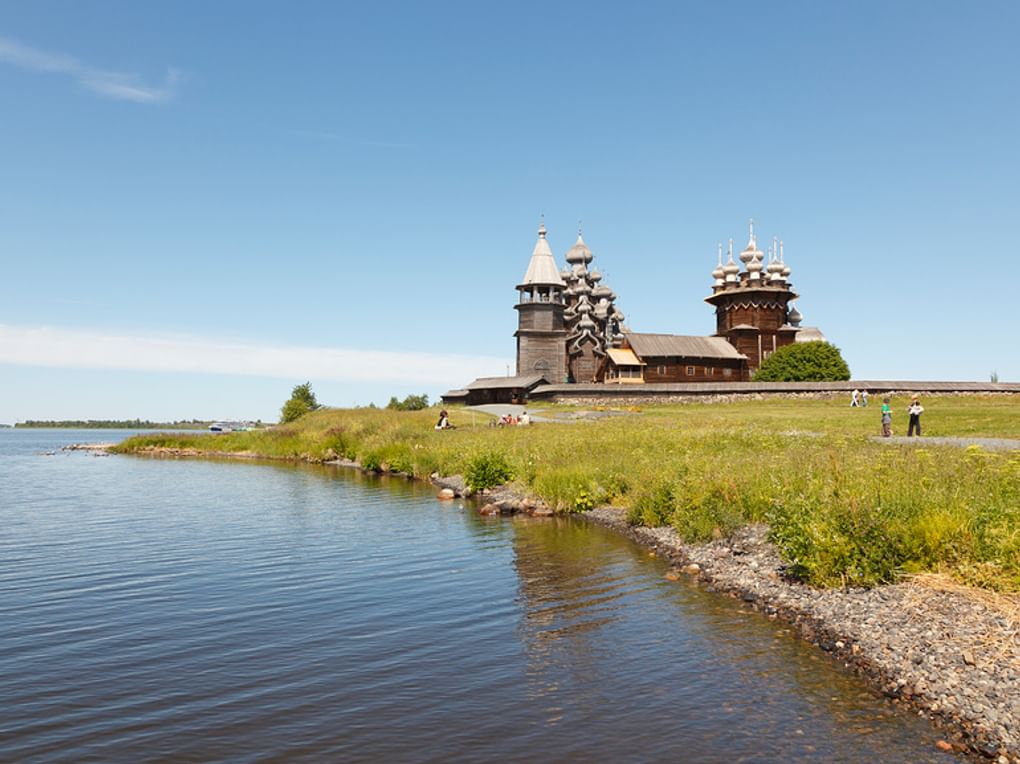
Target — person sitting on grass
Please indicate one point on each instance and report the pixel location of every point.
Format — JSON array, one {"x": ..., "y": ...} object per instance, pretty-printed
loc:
[{"x": 444, "y": 421}]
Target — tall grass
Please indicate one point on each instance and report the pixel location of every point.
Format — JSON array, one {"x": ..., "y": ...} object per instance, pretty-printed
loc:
[{"x": 842, "y": 508}]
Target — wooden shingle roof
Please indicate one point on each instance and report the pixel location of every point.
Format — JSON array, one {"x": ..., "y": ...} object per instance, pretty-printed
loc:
[
  {"x": 503, "y": 383},
  {"x": 680, "y": 346}
]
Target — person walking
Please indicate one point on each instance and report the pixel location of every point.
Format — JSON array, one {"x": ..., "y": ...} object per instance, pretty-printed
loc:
[
  {"x": 853, "y": 399},
  {"x": 915, "y": 409},
  {"x": 864, "y": 397},
  {"x": 886, "y": 418}
]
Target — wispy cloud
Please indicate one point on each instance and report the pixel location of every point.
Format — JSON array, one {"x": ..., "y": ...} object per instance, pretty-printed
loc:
[
  {"x": 116, "y": 85},
  {"x": 78, "y": 349}
]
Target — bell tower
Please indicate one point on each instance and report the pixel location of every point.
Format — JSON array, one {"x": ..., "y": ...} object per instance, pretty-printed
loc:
[{"x": 541, "y": 334}]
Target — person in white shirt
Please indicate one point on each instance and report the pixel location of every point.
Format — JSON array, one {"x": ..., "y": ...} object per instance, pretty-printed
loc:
[{"x": 915, "y": 409}]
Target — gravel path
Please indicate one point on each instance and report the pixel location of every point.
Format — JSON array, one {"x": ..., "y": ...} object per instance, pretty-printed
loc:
[
  {"x": 989, "y": 444},
  {"x": 953, "y": 655}
]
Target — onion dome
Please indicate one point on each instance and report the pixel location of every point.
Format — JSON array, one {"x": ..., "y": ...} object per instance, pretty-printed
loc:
[
  {"x": 586, "y": 323},
  {"x": 579, "y": 253},
  {"x": 603, "y": 292},
  {"x": 774, "y": 267},
  {"x": 731, "y": 269},
  {"x": 785, "y": 268},
  {"x": 794, "y": 316},
  {"x": 594, "y": 276},
  {"x": 581, "y": 287},
  {"x": 618, "y": 315},
  {"x": 566, "y": 274},
  {"x": 719, "y": 273},
  {"x": 751, "y": 251}
]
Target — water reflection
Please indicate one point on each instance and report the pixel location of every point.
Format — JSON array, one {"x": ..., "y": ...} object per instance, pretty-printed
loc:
[{"x": 604, "y": 633}]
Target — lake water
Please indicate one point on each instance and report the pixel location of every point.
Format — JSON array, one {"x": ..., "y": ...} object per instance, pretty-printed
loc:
[{"x": 226, "y": 611}]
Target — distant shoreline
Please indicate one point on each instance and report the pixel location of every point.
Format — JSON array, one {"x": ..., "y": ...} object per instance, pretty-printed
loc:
[{"x": 107, "y": 424}]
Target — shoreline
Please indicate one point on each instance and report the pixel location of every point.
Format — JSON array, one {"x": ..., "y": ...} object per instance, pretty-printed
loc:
[{"x": 948, "y": 653}]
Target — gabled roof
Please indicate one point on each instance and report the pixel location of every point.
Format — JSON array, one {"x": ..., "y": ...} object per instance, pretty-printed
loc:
[
  {"x": 681, "y": 346},
  {"x": 624, "y": 357},
  {"x": 501, "y": 383}
]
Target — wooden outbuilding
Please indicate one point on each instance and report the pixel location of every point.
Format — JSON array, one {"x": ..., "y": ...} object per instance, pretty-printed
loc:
[{"x": 499, "y": 390}]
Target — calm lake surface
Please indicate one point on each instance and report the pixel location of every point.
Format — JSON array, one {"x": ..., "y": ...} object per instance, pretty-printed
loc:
[{"x": 225, "y": 611}]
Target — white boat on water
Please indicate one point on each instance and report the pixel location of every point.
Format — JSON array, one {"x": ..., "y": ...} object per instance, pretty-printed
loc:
[{"x": 230, "y": 426}]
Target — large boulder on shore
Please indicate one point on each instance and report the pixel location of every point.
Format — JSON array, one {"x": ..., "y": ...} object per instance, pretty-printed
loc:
[{"x": 454, "y": 483}]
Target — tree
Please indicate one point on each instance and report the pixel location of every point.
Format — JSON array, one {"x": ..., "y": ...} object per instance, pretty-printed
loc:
[
  {"x": 302, "y": 400},
  {"x": 804, "y": 362},
  {"x": 410, "y": 403}
]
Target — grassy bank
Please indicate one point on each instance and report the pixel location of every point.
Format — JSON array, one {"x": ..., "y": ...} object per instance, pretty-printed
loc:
[{"x": 842, "y": 508}]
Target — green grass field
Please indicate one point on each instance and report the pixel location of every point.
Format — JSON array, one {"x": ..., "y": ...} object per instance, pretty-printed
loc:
[{"x": 843, "y": 509}]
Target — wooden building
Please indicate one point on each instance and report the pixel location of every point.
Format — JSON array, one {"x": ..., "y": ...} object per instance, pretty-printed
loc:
[
  {"x": 541, "y": 329},
  {"x": 678, "y": 358},
  {"x": 753, "y": 307},
  {"x": 497, "y": 390},
  {"x": 569, "y": 329}
]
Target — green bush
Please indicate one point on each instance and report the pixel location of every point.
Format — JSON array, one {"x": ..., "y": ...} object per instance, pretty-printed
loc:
[
  {"x": 568, "y": 488},
  {"x": 653, "y": 504},
  {"x": 804, "y": 362},
  {"x": 488, "y": 469}
]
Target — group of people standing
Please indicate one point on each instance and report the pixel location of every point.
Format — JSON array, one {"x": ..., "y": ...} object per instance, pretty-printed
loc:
[{"x": 914, "y": 410}]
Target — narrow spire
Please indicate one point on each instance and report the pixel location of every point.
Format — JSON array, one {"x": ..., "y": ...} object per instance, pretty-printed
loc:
[
  {"x": 731, "y": 250},
  {"x": 750, "y": 226},
  {"x": 720, "y": 253},
  {"x": 580, "y": 229},
  {"x": 541, "y": 226},
  {"x": 781, "y": 251},
  {"x": 775, "y": 245}
]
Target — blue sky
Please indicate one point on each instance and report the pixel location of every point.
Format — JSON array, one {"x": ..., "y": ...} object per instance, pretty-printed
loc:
[{"x": 203, "y": 204}]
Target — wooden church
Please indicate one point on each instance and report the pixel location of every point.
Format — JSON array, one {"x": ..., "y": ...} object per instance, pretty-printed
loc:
[{"x": 570, "y": 330}]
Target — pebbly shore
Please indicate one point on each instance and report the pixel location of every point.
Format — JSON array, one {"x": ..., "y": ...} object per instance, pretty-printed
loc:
[{"x": 950, "y": 654}]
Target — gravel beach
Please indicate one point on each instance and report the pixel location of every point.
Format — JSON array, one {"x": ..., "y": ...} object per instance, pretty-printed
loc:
[{"x": 952, "y": 654}]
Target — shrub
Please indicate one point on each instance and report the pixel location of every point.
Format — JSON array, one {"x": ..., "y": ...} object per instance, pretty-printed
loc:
[
  {"x": 653, "y": 504},
  {"x": 804, "y": 362},
  {"x": 568, "y": 489},
  {"x": 487, "y": 470}
]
